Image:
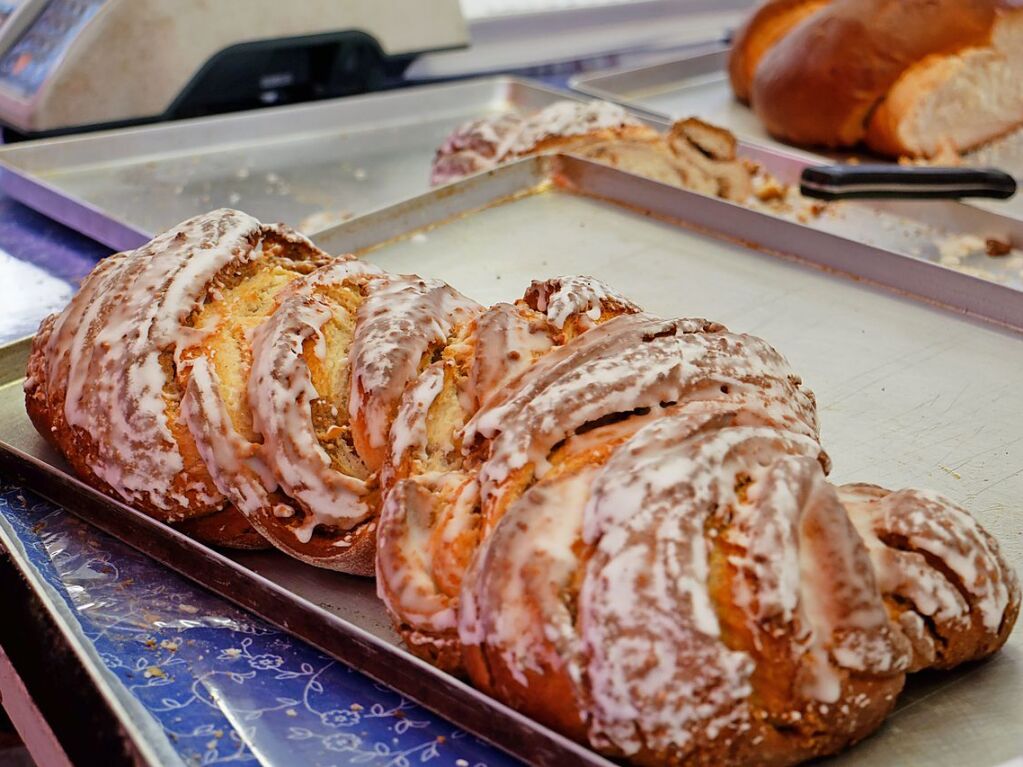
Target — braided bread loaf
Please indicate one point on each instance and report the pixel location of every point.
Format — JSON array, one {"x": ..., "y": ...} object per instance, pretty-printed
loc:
[
  {"x": 634, "y": 542},
  {"x": 616, "y": 523},
  {"x": 693, "y": 154},
  {"x": 233, "y": 380}
]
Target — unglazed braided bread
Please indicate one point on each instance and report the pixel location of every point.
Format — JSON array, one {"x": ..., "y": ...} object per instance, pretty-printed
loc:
[
  {"x": 923, "y": 78},
  {"x": 634, "y": 542}
]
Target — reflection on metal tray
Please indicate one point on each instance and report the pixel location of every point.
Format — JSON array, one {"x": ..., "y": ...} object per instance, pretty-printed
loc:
[
  {"x": 901, "y": 404},
  {"x": 698, "y": 85},
  {"x": 313, "y": 166}
]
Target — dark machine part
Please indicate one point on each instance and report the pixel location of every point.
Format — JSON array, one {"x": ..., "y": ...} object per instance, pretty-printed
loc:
[{"x": 273, "y": 72}]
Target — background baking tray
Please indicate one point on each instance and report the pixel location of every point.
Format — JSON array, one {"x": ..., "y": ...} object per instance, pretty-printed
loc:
[
  {"x": 316, "y": 164},
  {"x": 697, "y": 84},
  {"x": 312, "y": 165},
  {"x": 911, "y": 394}
]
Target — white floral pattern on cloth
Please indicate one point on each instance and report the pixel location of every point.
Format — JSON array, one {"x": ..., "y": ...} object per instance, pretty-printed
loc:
[{"x": 225, "y": 686}]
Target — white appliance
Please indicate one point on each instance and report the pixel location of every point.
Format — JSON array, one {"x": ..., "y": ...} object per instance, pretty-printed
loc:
[{"x": 73, "y": 64}]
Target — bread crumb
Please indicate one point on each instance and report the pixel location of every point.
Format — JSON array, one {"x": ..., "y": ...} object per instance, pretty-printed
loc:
[{"x": 996, "y": 248}]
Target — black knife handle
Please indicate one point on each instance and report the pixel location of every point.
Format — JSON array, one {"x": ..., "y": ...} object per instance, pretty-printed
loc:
[{"x": 906, "y": 182}]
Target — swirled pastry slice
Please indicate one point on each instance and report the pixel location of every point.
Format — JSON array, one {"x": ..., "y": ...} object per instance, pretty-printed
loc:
[
  {"x": 107, "y": 376},
  {"x": 429, "y": 526},
  {"x": 216, "y": 404},
  {"x": 561, "y": 127},
  {"x": 694, "y": 595},
  {"x": 943, "y": 576},
  {"x": 329, "y": 367}
]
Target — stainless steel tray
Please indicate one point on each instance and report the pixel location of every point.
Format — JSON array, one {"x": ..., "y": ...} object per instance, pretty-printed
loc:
[
  {"x": 350, "y": 156},
  {"x": 311, "y": 165},
  {"x": 911, "y": 394},
  {"x": 697, "y": 84}
]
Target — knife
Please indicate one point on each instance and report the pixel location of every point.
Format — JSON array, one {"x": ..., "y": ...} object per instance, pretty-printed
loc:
[{"x": 906, "y": 182}]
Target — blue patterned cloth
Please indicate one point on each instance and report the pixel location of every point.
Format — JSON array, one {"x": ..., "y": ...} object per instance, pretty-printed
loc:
[{"x": 223, "y": 686}]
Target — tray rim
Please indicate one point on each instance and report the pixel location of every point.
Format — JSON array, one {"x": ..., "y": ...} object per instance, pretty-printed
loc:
[
  {"x": 962, "y": 294},
  {"x": 150, "y": 744},
  {"x": 589, "y": 83}
]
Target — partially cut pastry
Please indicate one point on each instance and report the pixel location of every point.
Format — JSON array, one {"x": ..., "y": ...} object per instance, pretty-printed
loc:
[
  {"x": 561, "y": 127},
  {"x": 907, "y": 77}
]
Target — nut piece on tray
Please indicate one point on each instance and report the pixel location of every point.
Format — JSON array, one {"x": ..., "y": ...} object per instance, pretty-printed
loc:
[
  {"x": 693, "y": 155},
  {"x": 618, "y": 524},
  {"x": 905, "y": 77}
]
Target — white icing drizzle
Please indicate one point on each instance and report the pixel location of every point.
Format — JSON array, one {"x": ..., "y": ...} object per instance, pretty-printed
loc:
[
  {"x": 632, "y": 361},
  {"x": 563, "y": 119},
  {"x": 138, "y": 310},
  {"x": 408, "y": 432},
  {"x": 419, "y": 520},
  {"x": 517, "y": 604},
  {"x": 400, "y": 318},
  {"x": 472, "y": 146},
  {"x": 805, "y": 569},
  {"x": 839, "y": 593},
  {"x": 931, "y": 523},
  {"x": 281, "y": 394},
  {"x": 509, "y": 339},
  {"x": 236, "y": 465},
  {"x": 575, "y": 296},
  {"x": 484, "y": 144},
  {"x": 657, "y": 669}
]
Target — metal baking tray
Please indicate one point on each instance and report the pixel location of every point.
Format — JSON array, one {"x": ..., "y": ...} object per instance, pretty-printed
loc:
[
  {"x": 338, "y": 159},
  {"x": 697, "y": 84},
  {"x": 312, "y": 165},
  {"x": 910, "y": 393}
]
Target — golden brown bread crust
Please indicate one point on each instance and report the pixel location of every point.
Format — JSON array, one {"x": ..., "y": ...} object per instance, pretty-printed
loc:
[
  {"x": 945, "y": 581},
  {"x": 819, "y": 84},
  {"x": 430, "y": 526},
  {"x": 106, "y": 376},
  {"x": 768, "y": 24},
  {"x": 227, "y": 528}
]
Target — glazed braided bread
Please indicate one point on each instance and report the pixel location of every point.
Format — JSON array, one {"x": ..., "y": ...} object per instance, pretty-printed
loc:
[
  {"x": 693, "y": 154},
  {"x": 634, "y": 542},
  {"x": 233, "y": 380},
  {"x": 617, "y": 523}
]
